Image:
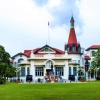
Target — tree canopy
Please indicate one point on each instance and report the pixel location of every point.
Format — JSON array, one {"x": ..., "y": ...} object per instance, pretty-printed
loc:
[
  {"x": 96, "y": 60},
  {"x": 4, "y": 63},
  {"x": 95, "y": 64}
]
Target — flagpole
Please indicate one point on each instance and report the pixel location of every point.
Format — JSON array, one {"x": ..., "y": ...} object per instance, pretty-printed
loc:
[{"x": 48, "y": 35}]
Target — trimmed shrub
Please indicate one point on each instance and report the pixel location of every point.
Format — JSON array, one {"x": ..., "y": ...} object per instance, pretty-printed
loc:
[{"x": 98, "y": 78}]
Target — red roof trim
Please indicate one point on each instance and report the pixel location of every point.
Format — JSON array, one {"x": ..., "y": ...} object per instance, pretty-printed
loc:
[
  {"x": 87, "y": 57},
  {"x": 93, "y": 47},
  {"x": 11, "y": 61}
]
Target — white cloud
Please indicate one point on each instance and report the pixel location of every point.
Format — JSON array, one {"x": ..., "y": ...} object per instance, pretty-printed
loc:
[
  {"x": 89, "y": 12},
  {"x": 54, "y": 3},
  {"x": 23, "y": 24}
]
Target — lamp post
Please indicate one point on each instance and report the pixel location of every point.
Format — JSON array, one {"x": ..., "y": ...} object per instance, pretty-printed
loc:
[{"x": 16, "y": 74}]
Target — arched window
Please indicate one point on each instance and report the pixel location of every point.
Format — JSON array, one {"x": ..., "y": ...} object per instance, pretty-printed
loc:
[
  {"x": 49, "y": 63},
  {"x": 74, "y": 47},
  {"x": 14, "y": 64},
  {"x": 19, "y": 60},
  {"x": 79, "y": 48}
]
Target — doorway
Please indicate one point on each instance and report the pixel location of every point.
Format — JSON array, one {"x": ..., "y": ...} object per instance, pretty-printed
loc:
[{"x": 48, "y": 72}]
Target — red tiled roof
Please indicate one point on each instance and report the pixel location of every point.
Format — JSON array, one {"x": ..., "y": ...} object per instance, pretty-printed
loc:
[
  {"x": 11, "y": 61},
  {"x": 87, "y": 57},
  {"x": 93, "y": 47},
  {"x": 36, "y": 49},
  {"x": 72, "y": 37},
  {"x": 28, "y": 52},
  {"x": 60, "y": 51}
]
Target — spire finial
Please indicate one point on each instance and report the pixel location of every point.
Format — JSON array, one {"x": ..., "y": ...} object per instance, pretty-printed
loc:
[
  {"x": 46, "y": 42},
  {"x": 72, "y": 12},
  {"x": 72, "y": 19}
]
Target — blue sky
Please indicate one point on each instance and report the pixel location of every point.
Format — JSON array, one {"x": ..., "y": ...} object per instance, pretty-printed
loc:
[{"x": 23, "y": 23}]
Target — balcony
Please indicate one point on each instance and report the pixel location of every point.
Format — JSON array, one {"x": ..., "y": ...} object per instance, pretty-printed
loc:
[{"x": 49, "y": 56}]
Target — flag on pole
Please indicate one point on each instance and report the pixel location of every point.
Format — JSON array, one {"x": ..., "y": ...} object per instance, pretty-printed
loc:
[{"x": 48, "y": 23}]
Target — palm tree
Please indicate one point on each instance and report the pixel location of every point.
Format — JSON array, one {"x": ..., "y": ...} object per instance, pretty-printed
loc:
[{"x": 81, "y": 72}]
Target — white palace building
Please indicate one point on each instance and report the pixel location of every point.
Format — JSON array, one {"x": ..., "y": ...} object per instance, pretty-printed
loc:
[{"x": 46, "y": 61}]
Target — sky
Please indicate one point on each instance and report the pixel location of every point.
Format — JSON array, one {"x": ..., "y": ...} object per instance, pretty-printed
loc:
[{"x": 24, "y": 23}]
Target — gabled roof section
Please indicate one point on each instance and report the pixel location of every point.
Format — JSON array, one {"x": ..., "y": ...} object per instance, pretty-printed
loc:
[
  {"x": 48, "y": 49},
  {"x": 93, "y": 47},
  {"x": 44, "y": 50},
  {"x": 19, "y": 54}
]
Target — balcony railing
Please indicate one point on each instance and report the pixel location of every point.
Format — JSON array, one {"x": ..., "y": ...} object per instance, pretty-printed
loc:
[
  {"x": 73, "y": 62},
  {"x": 58, "y": 55}
]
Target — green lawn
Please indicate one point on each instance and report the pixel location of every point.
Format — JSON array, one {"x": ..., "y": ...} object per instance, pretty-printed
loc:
[{"x": 50, "y": 91}]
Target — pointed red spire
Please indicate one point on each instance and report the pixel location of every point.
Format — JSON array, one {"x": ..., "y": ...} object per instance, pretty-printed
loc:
[
  {"x": 72, "y": 36},
  {"x": 72, "y": 47}
]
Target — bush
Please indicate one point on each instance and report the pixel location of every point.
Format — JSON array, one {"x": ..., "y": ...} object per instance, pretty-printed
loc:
[
  {"x": 98, "y": 78},
  {"x": 81, "y": 78},
  {"x": 2, "y": 81}
]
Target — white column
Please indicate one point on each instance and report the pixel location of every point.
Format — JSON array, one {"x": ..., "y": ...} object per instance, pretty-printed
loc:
[
  {"x": 32, "y": 69},
  {"x": 90, "y": 75},
  {"x": 25, "y": 70},
  {"x": 66, "y": 70},
  {"x": 71, "y": 70},
  {"x": 44, "y": 71},
  {"x": 77, "y": 72},
  {"x": 86, "y": 75}
]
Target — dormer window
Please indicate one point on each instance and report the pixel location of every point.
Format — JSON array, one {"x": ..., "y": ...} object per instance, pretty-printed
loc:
[
  {"x": 74, "y": 47},
  {"x": 14, "y": 64},
  {"x": 68, "y": 48},
  {"x": 79, "y": 49}
]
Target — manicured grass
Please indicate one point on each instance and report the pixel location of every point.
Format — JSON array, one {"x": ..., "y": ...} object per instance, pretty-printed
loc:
[{"x": 50, "y": 91}]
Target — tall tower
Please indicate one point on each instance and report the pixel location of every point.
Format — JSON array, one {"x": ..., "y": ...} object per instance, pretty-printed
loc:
[{"x": 72, "y": 46}]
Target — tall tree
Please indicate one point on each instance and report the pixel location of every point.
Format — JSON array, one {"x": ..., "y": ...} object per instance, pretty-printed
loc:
[
  {"x": 4, "y": 63},
  {"x": 95, "y": 64},
  {"x": 10, "y": 72}
]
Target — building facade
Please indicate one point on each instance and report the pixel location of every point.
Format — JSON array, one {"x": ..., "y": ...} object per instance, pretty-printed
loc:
[{"x": 46, "y": 61}]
